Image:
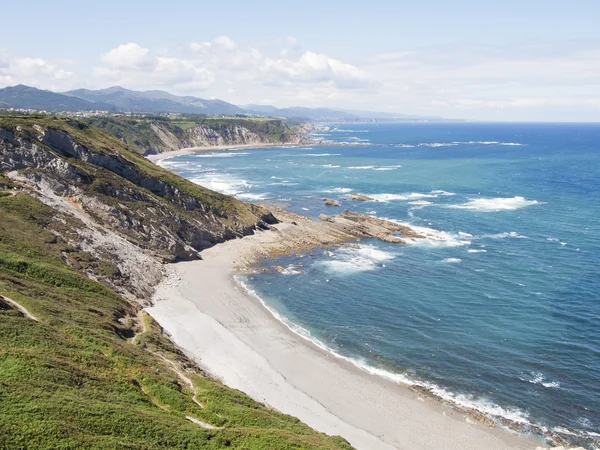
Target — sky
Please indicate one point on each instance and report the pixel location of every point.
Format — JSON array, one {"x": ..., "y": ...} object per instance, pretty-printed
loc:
[{"x": 524, "y": 60}]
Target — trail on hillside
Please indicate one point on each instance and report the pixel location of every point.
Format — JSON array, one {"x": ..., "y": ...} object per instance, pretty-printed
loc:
[{"x": 19, "y": 307}]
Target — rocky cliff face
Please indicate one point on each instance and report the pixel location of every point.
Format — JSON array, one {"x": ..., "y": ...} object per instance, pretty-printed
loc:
[
  {"x": 160, "y": 134},
  {"x": 116, "y": 205},
  {"x": 204, "y": 136}
]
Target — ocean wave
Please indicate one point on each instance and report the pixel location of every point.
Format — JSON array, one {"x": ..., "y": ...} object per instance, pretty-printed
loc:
[
  {"x": 407, "y": 196},
  {"x": 220, "y": 155},
  {"x": 356, "y": 259},
  {"x": 382, "y": 168},
  {"x": 444, "y": 193},
  {"x": 250, "y": 196},
  {"x": 433, "y": 237},
  {"x": 320, "y": 154},
  {"x": 496, "y": 204},
  {"x": 420, "y": 203},
  {"x": 330, "y": 166},
  {"x": 339, "y": 190},
  {"x": 291, "y": 270},
  {"x": 452, "y": 260},
  {"x": 507, "y": 234},
  {"x": 540, "y": 378},
  {"x": 473, "y": 250},
  {"x": 351, "y": 131},
  {"x": 223, "y": 183},
  {"x": 457, "y": 143}
]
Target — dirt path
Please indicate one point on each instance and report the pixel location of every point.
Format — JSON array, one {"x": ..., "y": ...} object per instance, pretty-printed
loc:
[
  {"x": 181, "y": 375},
  {"x": 142, "y": 321},
  {"x": 20, "y": 307},
  {"x": 141, "y": 315}
]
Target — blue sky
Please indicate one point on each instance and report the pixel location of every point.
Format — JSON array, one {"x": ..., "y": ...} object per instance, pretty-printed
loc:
[{"x": 526, "y": 60}]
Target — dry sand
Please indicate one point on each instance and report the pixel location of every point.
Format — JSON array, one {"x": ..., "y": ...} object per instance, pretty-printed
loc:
[
  {"x": 234, "y": 337},
  {"x": 214, "y": 148}
]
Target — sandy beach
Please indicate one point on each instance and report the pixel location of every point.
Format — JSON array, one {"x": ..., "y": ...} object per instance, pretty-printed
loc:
[
  {"x": 234, "y": 337},
  {"x": 213, "y": 148}
]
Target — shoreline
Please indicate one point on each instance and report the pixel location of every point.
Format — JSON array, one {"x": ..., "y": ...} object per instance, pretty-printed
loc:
[
  {"x": 155, "y": 158},
  {"x": 233, "y": 336}
]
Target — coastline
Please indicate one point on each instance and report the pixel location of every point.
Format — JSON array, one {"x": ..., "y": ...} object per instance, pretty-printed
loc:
[
  {"x": 155, "y": 158},
  {"x": 234, "y": 337}
]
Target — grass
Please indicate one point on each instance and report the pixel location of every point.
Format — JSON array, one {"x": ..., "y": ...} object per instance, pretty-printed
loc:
[
  {"x": 76, "y": 379},
  {"x": 233, "y": 213},
  {"x": 139, "y": 134}
]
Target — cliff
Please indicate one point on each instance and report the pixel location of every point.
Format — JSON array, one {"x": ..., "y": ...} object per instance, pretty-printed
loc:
[
  {"x": 85, "y": 225},
  {"x": 121, "y": 207},
  {"x": 159, "y": 134}
]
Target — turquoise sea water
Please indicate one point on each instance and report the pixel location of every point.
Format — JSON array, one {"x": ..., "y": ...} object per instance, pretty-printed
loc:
[{"x": 499, "y": 309}]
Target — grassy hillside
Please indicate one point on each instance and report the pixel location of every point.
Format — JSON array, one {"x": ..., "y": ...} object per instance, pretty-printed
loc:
[
  {"x": 141, "y": 135},
  {"x": 82, "y": 367}
]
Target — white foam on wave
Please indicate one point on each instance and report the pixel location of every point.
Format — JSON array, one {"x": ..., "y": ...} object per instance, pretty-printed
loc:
[
  {"x": 250, "y": 196},
  {"x": 457, "y": 143},
  {"x": 507, "y": 234},
  {"x": 220, "y": 155},
  {"x": 330, "y": 166},
  {"x": 420, "y": 203},
  {"x": 433, "y": 237},
  {"x": 291, "y": 270},
  {"x": 540, "y": 378},
  {"x": 321, "y": 154},
  {"x": 361, "y": 167},
  {"x": 223, "y": 183},
  {"x": 496, "y": 204},
  {"x": 452, "y": 260},
  {"x": 356, "y": 259},
  {"x": 339, "y": 190},
  {"x": 405, "y": 196},
  {"x": 473, "y": 250}
]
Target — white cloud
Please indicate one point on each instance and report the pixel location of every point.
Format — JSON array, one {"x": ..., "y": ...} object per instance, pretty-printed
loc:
[
  {"x": 127, "y": 55},
  {"x": 32, "y": 71},
  {"x": 246, "y": 63},
  {"x": 527, "y": 80}
]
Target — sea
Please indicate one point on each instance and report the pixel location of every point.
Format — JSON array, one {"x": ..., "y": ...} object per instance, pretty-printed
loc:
[{"x": 498, "y": 310}]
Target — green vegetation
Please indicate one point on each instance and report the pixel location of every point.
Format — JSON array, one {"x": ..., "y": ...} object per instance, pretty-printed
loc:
[
  {"x": 89, "y": 373},
  {"x": 233, "y": 212},
  {"x": 142, "y": 136}
]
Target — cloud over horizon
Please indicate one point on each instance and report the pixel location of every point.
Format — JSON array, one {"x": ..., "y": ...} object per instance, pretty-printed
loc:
[{"x": 535, "y": 80}]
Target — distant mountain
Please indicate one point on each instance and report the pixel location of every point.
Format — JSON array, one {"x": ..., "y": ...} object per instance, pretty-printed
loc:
[
  {"x": 331, "y": 114},
  {"x": 261, "y": 109},
  {"x": 127, "y": 100},
  {"x": 31, "y": 98},
  {"x": 118, "y": 99}
]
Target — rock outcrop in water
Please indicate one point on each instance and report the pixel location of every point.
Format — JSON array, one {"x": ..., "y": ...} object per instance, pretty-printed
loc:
[
  {"x": 330, "y": 202},
  {"x": 361, "y": 225},
  {"x": 361, "y": 197}
]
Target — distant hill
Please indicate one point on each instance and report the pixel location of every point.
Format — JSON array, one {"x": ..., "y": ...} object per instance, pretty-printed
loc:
[
  {"x": 127, "y": 100},
  {"x": 31, "y": 98},
  {"x": 118, "y": 99},
  {"x": 332, "y": 114}
]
